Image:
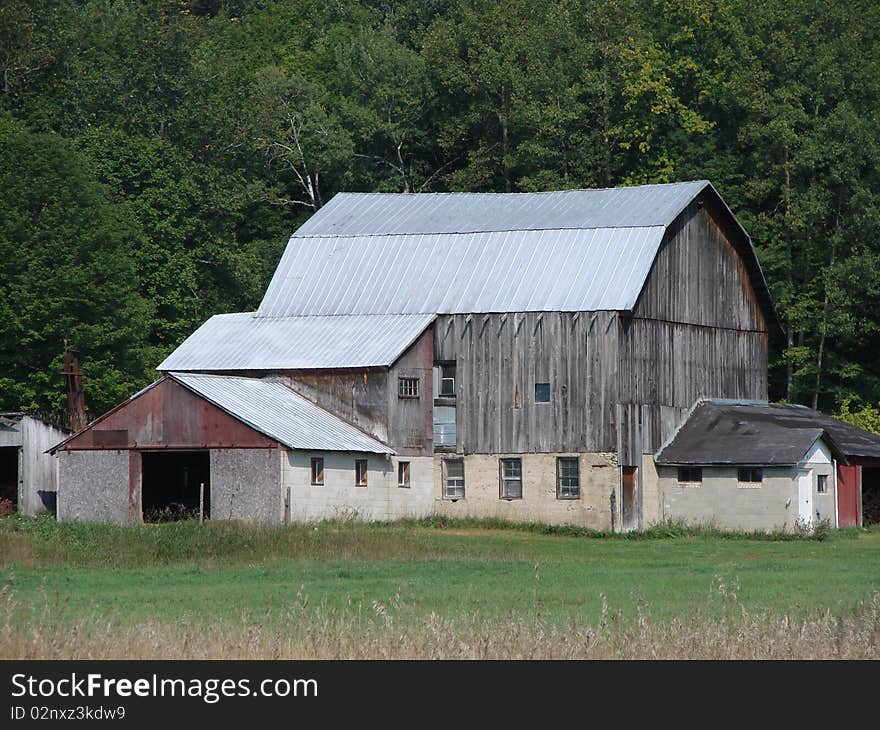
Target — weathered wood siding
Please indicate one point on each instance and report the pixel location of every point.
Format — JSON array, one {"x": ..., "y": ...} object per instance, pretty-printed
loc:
[
  {"x": 500, "y": 357},
  {"x": 410, "y": 422},
  {"x": 697, "y": 331},
  {"x": 369, "y": 399}
]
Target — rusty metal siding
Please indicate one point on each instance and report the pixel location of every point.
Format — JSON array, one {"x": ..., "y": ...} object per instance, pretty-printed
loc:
[
  {"x": 170, "y": 416},
  {"x": 246, "y": 342}
]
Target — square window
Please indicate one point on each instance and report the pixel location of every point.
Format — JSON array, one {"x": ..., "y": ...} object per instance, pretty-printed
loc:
[
  {"x": 822, "y": 484},
  {"x": 360, "y": 472},
  {"x": 510, "y": 479},
  {"x": 317, "y": 471},
  {"x": 568, "y": 481},
  {"x": 690, "y": 476},
  {"x": 542, "y": 392},
  {"x": 408, "y": 387},
  {"x": 403, "y": 474},
  {"x": 453, "y": 479}
]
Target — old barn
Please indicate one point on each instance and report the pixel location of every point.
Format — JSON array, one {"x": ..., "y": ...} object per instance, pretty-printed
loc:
[{"x": 519, "y": 355}]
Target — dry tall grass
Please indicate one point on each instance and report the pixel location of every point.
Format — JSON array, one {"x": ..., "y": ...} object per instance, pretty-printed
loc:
[{"x": 374, "y": 633}]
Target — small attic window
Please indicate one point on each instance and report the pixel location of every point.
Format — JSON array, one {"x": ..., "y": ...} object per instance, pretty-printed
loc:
[{"x": 408, "y": 387}]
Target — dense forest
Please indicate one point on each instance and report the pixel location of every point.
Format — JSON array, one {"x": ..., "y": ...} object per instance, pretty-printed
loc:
[{"x": 156, "y": 155}]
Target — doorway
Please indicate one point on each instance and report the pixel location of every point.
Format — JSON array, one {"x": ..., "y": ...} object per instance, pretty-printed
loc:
[
  {"x": 8, "y": 479},
  {"x": 175, "y": 484},
  {"x": 628, "y": 495},
  {"x": 870, "y": 495}
]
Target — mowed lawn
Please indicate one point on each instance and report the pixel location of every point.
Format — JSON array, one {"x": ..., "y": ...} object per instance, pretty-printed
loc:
[{"x": 190, "y": 573}]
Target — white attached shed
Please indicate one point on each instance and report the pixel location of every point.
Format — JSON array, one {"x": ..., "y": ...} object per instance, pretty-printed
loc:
[{"x": 28, "y": 475}]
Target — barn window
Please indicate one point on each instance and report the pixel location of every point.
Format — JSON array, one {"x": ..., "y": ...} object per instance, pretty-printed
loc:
[
  {"x": 317, "y": 471},
  {"x": 510, "y": 479},
  {"x": 568, "y": 480},
  {"x": 360, "y": 472},
  {"x": 749, "y": 478},
  {"x": 408, "y": 387},
  {"x": 403, "y": 474},
  {"x": 447, "y": 380},
  {"x": 822, "y": 484},
  {"x": 453, "y": 479},
  {"x": 542, "y": 392},
  {"x": 690, "y": 476}
]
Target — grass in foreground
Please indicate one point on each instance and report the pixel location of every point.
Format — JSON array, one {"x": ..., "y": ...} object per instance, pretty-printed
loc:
[{"x": 424, "y": 589}]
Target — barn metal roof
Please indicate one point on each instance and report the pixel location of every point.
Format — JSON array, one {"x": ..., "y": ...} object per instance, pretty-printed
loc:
[
  {"x": 274, "y": 409},
  {"x": 757, "y": 433},
  {"x": 371, "y": 214},
  {"x": 504, "y": 271},
  {"x": 246, "y": 342},
  {"x": 449, "y": 253}
]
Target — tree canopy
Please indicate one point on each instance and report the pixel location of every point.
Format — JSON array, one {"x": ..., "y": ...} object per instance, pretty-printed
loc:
[{"x": 156, "y": 154}]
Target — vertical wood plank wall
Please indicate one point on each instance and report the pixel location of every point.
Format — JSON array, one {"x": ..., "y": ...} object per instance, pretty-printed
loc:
[{"x": 499, "y": 359}]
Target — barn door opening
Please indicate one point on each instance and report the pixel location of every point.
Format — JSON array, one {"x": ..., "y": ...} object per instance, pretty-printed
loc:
[
  {"x": 8, "y": 479},
  {"x": 171, "y": 485},
  {"x": 870, "y": 495},
  {"x": 628, "y": 494}
]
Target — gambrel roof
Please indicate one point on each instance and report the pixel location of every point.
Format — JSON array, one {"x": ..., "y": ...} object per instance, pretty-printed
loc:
[
  {"x": 368, "y": 272},
  {"x": 462, "y": 253}
]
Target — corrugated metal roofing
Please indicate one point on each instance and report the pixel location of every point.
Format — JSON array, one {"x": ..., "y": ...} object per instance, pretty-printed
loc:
[
  {"x": 245, "y": 342},
  {"x": 275, "y": 410},
  {"x": 730, "y": 432},
  {"x": 509, "y": 271},
  {"x": 370, "y": 214}
]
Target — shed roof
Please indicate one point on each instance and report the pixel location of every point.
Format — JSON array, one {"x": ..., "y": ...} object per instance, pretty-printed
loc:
[
  {"x": 246, "y": 342},
  {"x": 274, "y": 409},
  {"x": 758, "y": 433},
  {"x": 448, "y": 253},
  {"x": 268, "y": 407}
]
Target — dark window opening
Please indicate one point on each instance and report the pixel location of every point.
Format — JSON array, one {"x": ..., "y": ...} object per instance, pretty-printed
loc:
[
  {"x": 542, "y": 392},
  {"x": 453, "y": 479},
  {"x": 447, "y": 380},
  {"x": 822, "y": 484},
  {"x": 8, "y": 479},
  {"x": 172, "y": 485},
  {"x": 317, "y": 471},
  {"x": 568, "y": 480},
  {"x": 360, "y": 472},
  {"x": 749, "y": 476},
  {"x": 510, "y": 477},
  {"x": 403, "y": 474},
  {"x": 408, "y": 387},
  {"x": 690, "y": 475}
]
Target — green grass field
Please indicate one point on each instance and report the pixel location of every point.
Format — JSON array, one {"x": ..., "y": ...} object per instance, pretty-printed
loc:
[{"x": 478, "y": 574}]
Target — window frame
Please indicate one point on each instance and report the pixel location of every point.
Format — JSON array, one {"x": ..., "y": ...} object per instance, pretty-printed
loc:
[
  {"x": 504, "y": 481},
  {"x": 408, "y": 387},
  {"x": 316, "y": 480},
  {"x": 749, "y": 482},
  {"x": 822, "y": 483},
  {"x": 403, "y": 470},
  {"x": 361, "y": 469},
  {"x": 560, "y": 461},
  {"x": 445, "y": 488},
  {"x": 691, "y": 471},
  {"x": 446, "y": 372},
  {"x": 549, "y": 393}
]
